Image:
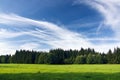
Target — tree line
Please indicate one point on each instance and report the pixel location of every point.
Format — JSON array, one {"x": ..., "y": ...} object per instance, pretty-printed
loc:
[{"x": 60, "y": 56}]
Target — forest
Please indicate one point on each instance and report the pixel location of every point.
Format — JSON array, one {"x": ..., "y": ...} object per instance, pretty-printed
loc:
[{"x": 60, "y": 56}]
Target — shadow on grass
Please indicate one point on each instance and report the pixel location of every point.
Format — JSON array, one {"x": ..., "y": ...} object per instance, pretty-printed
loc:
[{"x": 60, "y": 76}]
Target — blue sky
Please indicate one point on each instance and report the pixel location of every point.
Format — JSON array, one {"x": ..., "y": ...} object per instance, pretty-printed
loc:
[{"x": 66, "y": 24}]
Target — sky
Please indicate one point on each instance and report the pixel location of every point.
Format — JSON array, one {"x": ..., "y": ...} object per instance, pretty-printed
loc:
[{"x": 68, "y": 24}]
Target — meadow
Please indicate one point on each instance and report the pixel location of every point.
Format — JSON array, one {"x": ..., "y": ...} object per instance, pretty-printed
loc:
[{"x": 59, "y": 72}]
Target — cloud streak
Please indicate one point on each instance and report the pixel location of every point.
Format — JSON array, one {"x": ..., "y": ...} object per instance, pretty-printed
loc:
[
  {"x": 45, "y": 32},
  {"x": 109, "y": 10},
  {"x": 34, "y": 34}
]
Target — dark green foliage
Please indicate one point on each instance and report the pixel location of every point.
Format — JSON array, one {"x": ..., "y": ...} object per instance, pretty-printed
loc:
[
  {"x": 91, "y": 59},
  {"x": 110, "y": 57},
  {"x": 80, "y": 60},
  {"x": 116, "y": 56},
  {"x": 98, "y": 59},
  {"x": 44, "y": 58},
  {"x": 5, "y": 59},
  {"x": 69, "y": 60},
  {"x": 60, "y": 56},
  {"x": 57, "y": 56}
]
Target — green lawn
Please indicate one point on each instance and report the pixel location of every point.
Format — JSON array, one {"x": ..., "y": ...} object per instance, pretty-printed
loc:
[{"x": 59, "y": 72}]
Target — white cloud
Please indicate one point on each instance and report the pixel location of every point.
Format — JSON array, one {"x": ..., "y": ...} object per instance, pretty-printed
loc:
[
  {"x": 45, "y": 33},
  {"x": 110, "y": 10},
  {"x": 30, "y": 46},
  {"x": 4, "y": 33},
  {"x": 5, "y": 48}
]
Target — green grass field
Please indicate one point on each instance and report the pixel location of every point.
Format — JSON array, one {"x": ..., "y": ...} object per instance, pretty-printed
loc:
[{"x": 59, "y": 72}]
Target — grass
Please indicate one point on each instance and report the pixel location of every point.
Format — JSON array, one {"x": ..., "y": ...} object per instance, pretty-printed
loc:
[{"x": 59, "y": 72}]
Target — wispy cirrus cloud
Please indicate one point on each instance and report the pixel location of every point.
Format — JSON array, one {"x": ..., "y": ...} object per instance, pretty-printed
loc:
[
  {"x": 109, "y": 10},
  {"x": 42, "y": 35}
]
